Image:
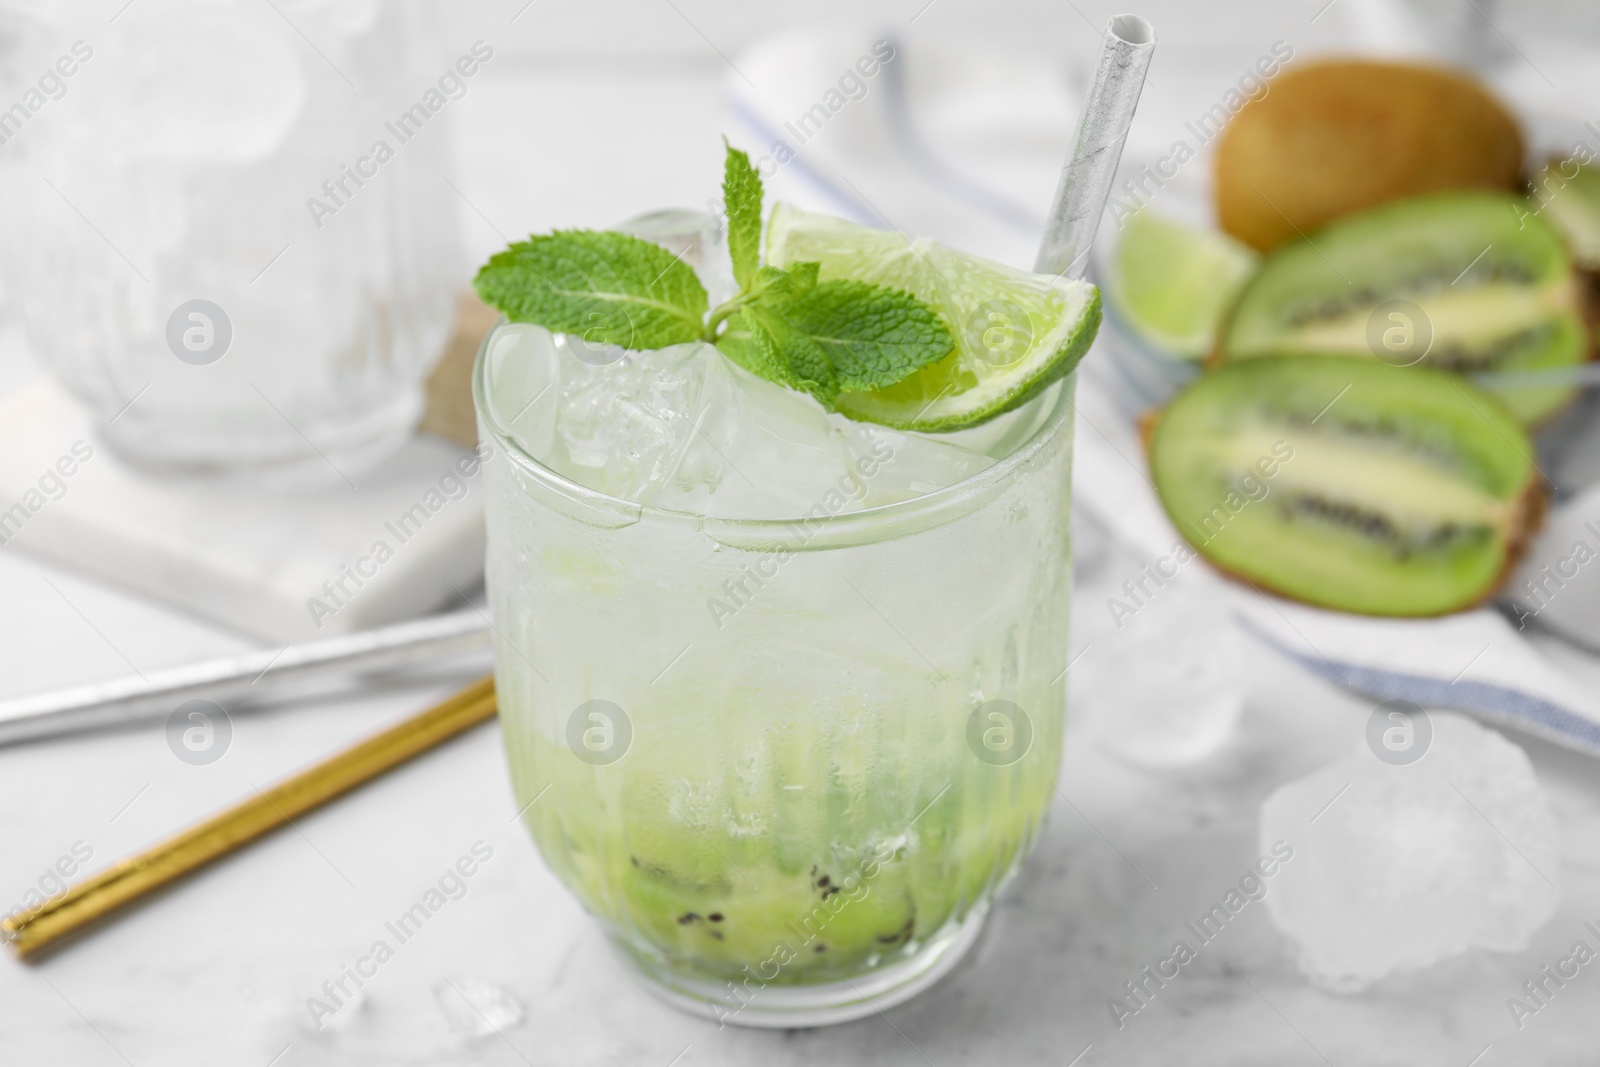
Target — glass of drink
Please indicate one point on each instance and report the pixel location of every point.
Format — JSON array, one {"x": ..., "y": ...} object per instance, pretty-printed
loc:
[
  {"x": 780, "y": 592},
  {"x": 786, "y": 761}
]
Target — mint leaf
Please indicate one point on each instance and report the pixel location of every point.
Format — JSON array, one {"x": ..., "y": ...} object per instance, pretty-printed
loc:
[
  {"x": 741, "y": 195},
  {"x": 608, "y": 288},
  {"x": 739, "y": 342},
  {"x": 808, "y": 363},
  {"x": 777, "y": 282},
  {"x": 872, "y": 335},
  {"x": 767, "y": 344},
  {"x": 771, "y": 282},
  {"x": 804, "y": 275}
]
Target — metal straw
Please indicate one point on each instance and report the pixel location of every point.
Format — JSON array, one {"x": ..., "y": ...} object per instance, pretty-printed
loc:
[
  {"x": 128, "y": 700},
  {"x": 34, "y": 930},
  {"x": 1102, "y": 129}
]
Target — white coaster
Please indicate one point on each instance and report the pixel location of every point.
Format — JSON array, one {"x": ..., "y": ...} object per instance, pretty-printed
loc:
[{"x": 279, "y": 566}]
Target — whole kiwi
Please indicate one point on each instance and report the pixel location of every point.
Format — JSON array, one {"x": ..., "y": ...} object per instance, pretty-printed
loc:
[{"x": 1336, "y": 137}]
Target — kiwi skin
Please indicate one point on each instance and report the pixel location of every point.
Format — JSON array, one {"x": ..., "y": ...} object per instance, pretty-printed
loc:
[
  {"x": 1332, "y": 138},
  {"x": 1528, "y": 510}
]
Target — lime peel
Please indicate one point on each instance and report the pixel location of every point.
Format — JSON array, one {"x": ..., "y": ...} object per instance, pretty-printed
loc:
[
  {"x": 1015, "y": 332},
  {"x": 1172, "y": 284}
]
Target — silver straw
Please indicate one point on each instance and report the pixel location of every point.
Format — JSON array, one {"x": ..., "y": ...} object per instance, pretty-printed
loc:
[
  {"x": 129, "y": 700},
  {"x": 1102, "y": 129}
]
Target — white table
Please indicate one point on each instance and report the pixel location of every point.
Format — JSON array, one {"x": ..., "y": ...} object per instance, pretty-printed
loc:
[{"x": 219, "y": 969}]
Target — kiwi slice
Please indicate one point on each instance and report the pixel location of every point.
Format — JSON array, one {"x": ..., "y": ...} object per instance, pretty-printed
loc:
[
  {"x": 725, "y": 928},
  {"x": 1465, "y": 282},
  {"x": 1347, "y": 483},
  {"x": 1568, "y": 194}
]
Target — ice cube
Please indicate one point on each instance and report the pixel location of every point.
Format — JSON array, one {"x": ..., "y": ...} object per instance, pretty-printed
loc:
[
  {"x": 476, "y": 1008},
  {"x": 524, "y": 378},
  {"x": 760, "y": 451},
  {"x": 625, "y": 419},
  {"x": 696, "y": 237},
  {"x": 687, "y": 429},
  {"x": 1399, "y": 865},
  {"x": 895, "y": 466},
  {"x": 1164, "y": 676},
  {"x": 612, "y": 420}
]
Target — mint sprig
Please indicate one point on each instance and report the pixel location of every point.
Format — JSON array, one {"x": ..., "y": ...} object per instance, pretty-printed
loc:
[
  {"x": 608, "y": 288},
  {"x": 821, "y": 337}
]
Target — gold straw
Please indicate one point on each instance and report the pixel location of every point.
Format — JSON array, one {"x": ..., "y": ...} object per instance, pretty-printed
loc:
[{"x": 30, "y": 931}]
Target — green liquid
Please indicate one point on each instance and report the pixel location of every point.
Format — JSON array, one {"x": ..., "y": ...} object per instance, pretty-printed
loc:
[{"x": 796, "y": 848}]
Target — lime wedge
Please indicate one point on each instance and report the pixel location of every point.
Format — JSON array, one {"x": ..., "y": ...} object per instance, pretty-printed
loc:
[
  {"x": 1015, "y": 332},
  {"x": 1172, "y": 284}
]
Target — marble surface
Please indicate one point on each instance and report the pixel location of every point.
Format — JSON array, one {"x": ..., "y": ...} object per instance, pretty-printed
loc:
[
  {"x": 270, "y": 564},
  {"x": 220, "y": 968}
]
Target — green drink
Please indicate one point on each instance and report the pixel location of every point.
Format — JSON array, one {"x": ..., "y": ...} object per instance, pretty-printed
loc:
[{"x": 782, "y": 691}]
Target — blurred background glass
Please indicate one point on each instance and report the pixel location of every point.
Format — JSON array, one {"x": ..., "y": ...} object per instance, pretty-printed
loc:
[{"x": 202, "y": 240}]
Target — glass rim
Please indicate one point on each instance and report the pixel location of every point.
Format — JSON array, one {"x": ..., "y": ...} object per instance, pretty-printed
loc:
[{"x": 945, "y": 503}]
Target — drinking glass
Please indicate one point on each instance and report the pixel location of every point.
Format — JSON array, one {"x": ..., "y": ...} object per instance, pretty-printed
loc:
[
  {"x": 202, "y": 242},
  {"x": 785, "y": 763}
]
